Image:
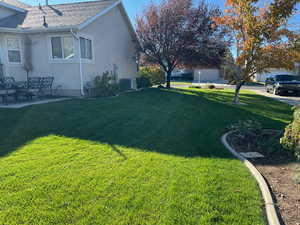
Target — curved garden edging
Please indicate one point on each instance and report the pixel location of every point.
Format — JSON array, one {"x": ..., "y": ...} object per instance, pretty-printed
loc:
[{"x": 269, "y": 204}]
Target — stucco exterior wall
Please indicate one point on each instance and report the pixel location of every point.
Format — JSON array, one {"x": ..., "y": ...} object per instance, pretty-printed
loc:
[
  {"x": 9, "y": 69},
  {"x": 113, "y": 45},
  {"x": 66, "y": 73},
  {"x": 207, "y": 75},
  {"x": 112, "y": 48}
]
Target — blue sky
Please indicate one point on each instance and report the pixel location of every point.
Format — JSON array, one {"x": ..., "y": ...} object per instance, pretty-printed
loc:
[{"x": 134, "y": 7}]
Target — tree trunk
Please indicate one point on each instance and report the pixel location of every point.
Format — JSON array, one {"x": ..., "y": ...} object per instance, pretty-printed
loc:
[
  {"x": 169, "y": 73},
  {"x": 236, "y": 99}
]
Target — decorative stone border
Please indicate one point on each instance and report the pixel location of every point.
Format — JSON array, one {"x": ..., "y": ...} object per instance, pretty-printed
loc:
[{"x": 269, "y": 204}]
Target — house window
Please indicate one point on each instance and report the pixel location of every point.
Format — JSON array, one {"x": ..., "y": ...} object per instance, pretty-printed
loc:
[
  {"x": 62, "y": 47},
  {"x": 86, "y": 48},
  {"x": 14, "y": 50}
]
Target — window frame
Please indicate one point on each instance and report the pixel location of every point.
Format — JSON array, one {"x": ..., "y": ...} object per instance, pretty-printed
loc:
[
  {"x": 20, "y": 50},
  {"x": 87, "y": 37},
  {"x": 62, "y": 60}
]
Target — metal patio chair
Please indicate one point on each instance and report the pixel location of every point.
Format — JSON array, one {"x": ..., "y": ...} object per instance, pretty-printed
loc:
[
  {"x": 7, "y": 89},
  {"x": 46, "y": 85}
]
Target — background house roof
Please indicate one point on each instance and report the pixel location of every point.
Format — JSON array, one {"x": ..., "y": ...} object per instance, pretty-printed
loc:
[{"x": 61, "y": 15}]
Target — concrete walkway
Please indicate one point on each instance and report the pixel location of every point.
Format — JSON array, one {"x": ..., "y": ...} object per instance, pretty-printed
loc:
[{"x": 26, "y": 104}]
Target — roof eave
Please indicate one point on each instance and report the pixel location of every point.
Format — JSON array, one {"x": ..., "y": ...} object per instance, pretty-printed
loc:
[
  {"x": 12, "y": 7},
  {"x": 92, "y": 19},
  {"x": 37, "y": 30}
]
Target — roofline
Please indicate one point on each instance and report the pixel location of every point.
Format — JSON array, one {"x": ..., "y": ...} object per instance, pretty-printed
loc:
[
  {"x": 38, "y": 30},
  {"x": 92, "y": 19},
  {"x": 15, "y": 8},
  {"x": 129, "y": 22}
]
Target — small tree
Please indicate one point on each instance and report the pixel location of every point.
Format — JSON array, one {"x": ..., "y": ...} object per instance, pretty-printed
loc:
[
  {"x": 27, "y": 56},
  {"x": 173, "y": 33},
  {"x": 153, "y": 73},
  {"x": 259, "y": 33}
]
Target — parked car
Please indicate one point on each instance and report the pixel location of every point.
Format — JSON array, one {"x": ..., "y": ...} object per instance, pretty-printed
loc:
[{"x": 283, "y": 84}]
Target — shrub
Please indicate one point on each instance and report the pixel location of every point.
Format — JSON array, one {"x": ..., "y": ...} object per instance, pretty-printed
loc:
[
  {"x": 155, "y": 75},
  {"x": 106, "y": 85},
  {"x": 291, "y": 138},
  {"x": 143, "y": 82},
  {"x": 209, "y": 86},
  {"x": 248, "y": 129}
]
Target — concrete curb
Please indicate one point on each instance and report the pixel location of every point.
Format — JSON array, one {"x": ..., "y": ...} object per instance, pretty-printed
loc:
[{"x": 269, "y": 204}]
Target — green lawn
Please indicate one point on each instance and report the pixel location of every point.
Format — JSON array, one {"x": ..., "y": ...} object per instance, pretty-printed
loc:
[
  {"x": 150, "y": 157},
  {"x": 181, "y": 83}
]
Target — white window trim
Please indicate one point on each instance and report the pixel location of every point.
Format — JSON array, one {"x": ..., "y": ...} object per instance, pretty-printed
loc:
[
  {"x": 62, "y": 60},
  {"x": 21, "y": 50},
  {"x": 83, "y": 60}
]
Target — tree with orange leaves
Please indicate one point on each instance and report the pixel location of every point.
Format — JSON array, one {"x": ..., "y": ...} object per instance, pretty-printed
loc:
[{"x": 261, "y": 36}]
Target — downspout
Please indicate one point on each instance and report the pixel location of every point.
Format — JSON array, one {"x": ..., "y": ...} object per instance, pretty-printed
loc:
[{"x": 80, "y": 63}]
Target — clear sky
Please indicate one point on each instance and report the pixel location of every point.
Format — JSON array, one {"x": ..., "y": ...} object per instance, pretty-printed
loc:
[{"x": 134, "y": 7}]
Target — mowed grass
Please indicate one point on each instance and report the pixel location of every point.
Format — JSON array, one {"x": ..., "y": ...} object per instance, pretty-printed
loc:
[
  {"x": 150, "y": 157},
  {"x": 181, "y": 83}
]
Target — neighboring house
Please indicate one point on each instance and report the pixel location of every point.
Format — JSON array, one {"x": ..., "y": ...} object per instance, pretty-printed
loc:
[
  {"x": 207, "y": 75},
  {"x": 199, "y": 75},
  {"x": 72, "y": 42},
  {"x": 261, "y": 77}
]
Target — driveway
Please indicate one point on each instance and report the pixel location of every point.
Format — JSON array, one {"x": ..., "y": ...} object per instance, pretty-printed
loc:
[{"x": 291, "y": 100}]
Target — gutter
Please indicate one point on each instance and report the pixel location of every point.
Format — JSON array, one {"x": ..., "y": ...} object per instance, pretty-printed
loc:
[
  {"x": 38, "y": 30},
  {"x": 80, "y": 62}
]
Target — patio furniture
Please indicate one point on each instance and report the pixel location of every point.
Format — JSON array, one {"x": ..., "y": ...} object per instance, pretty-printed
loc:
[
  {"x": 37, "y": 86},
  {"x": 46, "y": 85},
  {"x": 33, "y": 86},
  {"x": 7, "y": 88}
]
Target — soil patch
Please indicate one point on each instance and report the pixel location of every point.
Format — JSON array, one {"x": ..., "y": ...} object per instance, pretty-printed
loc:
[{"x": 280, "y": 169}]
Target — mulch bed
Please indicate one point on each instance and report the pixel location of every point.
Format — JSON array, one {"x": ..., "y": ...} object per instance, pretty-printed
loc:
[{"x": 281, "y": 171}]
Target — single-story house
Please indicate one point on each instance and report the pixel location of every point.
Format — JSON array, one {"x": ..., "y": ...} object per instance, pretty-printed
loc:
[
  {"x": 72, "y": 42},
  {"x": 261, "y": 77},
  {"x": 199, "y": 75},
  {"x": 208, "y": 75}
]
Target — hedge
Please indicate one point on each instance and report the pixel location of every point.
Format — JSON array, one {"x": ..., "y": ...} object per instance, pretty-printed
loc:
[{"x": 291, "y": 139}]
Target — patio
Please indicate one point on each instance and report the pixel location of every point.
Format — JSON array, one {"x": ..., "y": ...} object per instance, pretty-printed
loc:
[
  {"x": 22, "y": 93},
  {"x": 18, "y": 105}
]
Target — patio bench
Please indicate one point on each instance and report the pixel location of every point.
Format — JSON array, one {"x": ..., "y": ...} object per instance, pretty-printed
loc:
[
  {"x": 37, "y": 86},
  {"x": 7, "y": 88}
]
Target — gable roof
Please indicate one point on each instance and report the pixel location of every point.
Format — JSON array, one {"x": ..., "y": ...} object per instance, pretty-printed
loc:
[{"x": 61, "y": 15}]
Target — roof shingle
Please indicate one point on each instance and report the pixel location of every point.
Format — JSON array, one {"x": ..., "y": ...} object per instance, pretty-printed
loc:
[{"x": 61, "y": 15}]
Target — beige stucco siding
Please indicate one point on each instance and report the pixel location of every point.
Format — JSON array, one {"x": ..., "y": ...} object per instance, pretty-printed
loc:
[
  {"x": 112, "y": 43},
  {"x": 10, "y": 69},
  {"x": 66, "y": 72}
]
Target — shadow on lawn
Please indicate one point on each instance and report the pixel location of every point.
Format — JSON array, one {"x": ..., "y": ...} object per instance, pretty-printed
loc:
[{"x": 182, "y": 122}]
